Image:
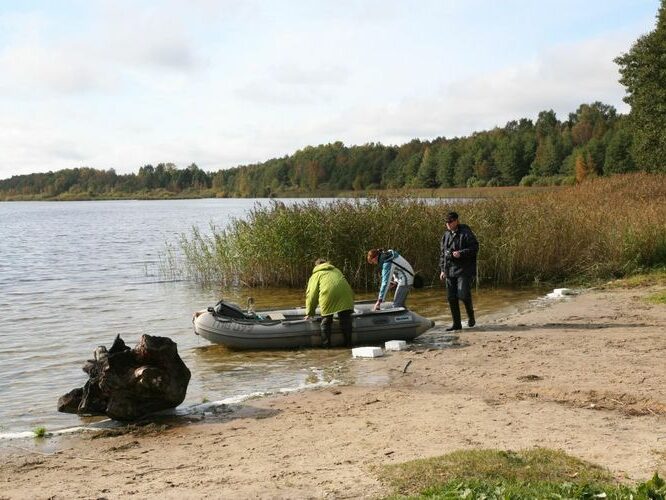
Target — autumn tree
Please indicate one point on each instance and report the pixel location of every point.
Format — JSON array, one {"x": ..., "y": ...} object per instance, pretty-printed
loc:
[{"x": 581, "y": 168}]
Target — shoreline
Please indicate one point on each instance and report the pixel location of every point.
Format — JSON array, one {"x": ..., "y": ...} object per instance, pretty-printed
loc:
[
  {"x": 259, "y": 372},
  {"x": 441, "y": 192},
  {"x": 581, "y": 375}
]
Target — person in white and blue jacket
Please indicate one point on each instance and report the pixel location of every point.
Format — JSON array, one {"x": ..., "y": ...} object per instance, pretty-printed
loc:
[{"x": 394, "y": 268}]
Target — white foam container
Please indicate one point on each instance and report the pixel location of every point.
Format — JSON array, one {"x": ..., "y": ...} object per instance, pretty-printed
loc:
[
  {"x": 367, "y": 352},
  {"x": 395, "y": 345},
  {"x": 560, "y": 292}
]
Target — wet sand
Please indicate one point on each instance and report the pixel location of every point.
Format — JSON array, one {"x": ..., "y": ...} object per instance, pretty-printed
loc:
[{"x": 585, "y": 375}]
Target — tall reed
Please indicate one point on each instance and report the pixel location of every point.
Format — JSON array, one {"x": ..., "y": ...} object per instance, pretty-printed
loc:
[{"x": 603, "y": 228}]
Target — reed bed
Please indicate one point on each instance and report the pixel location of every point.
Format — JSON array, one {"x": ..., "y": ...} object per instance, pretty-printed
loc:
[{"x": 604, "y": 228}]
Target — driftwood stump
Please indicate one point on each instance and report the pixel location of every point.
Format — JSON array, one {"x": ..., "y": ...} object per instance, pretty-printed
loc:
[{"x": 127, "y": 384}]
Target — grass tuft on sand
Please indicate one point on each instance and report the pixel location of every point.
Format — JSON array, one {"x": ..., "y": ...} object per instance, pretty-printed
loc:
[
  {"x": 658, "y": 298},
  {"x": 537, "y": 464},
  {"x": 654, "y": 277},
  {"x": 498, "y": 474}
]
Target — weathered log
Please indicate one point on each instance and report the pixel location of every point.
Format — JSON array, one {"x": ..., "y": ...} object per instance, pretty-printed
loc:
[{"x": 127, "y": 384}]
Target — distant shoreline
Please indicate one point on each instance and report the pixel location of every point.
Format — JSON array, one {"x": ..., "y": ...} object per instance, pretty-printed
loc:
[{"x": 454, "y": 193}]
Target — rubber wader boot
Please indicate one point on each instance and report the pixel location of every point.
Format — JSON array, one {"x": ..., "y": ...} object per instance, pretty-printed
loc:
[
  {"x": 346, "y": 332},
  {"x": 346, "y": 325},
  {"x": 326, "y": 328},
  {"x": 455, "y": 313},
  {"x": 470, "y": 312}
]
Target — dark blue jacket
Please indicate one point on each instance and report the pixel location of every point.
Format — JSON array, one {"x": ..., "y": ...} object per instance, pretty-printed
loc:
[{"x": 463, "y": 240}]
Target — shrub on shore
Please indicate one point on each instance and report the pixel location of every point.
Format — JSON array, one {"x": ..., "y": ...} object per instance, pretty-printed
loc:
[{"x": 604, "y": 228}]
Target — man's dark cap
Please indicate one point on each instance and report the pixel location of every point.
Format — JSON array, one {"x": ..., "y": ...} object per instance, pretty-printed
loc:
[{"x": 451, "y": 216}]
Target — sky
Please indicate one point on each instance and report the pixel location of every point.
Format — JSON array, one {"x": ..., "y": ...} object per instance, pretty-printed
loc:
[{"x": 221, "y": 83}]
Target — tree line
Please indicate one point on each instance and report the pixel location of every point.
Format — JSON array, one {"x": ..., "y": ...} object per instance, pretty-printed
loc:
[
  {"x": 593, "y": 141},
  {"x": 164, "y": 180}
]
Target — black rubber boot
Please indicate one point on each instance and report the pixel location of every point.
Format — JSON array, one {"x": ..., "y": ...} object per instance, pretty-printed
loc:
[
  {"x": 346, "y": 325},
  {"x": 470, "y": 312},
  {"x": 455, "y": 313},
  {"x": 347, "y": 333},
  {"x": 326, "y": 328}
]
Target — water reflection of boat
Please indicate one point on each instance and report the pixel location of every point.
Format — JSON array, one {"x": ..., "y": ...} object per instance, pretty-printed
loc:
[{"x": 232, "y": 327}]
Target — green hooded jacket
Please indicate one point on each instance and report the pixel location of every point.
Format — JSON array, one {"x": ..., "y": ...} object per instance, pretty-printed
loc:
[{"x": 329, "y": 289}]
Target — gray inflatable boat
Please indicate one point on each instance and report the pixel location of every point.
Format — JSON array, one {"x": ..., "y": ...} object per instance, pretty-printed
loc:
[{"x": 230, "y": 326}]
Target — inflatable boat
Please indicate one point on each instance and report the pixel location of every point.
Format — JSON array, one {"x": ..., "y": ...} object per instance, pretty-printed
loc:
[{"x": 227, "y": 324}]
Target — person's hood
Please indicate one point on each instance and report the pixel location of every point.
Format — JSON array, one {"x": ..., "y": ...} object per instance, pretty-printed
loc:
[
  {"x": 388, "y": 255},
  {"x": 326, "y": 266}
]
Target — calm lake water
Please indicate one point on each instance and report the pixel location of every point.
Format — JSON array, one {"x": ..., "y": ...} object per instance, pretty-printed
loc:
[{"x": 73, "y": 275}]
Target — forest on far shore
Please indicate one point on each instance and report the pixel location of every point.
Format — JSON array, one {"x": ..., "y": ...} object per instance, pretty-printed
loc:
[{"x": 593, "y": 141}]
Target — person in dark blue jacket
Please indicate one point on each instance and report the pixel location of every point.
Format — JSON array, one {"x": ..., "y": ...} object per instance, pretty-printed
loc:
[{"x": 458, "y": 251}]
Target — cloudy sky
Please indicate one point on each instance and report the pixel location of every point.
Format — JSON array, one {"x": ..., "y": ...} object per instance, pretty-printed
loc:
[{"x": 122, "y": 83}]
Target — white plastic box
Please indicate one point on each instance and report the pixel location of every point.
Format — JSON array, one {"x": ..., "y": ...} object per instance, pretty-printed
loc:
[
  {"x": 395, "y": 345},
  {"x": 367, "y": 352}
]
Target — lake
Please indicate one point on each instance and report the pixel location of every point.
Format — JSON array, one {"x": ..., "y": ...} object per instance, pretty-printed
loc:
[{"x": 73, "y": 275}]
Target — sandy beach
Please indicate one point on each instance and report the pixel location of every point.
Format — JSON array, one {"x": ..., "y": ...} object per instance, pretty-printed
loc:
[{"x": 585, "y": 375}]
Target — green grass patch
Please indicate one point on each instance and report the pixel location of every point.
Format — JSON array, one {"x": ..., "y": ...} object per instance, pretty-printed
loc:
[
  {"x": 658, "y": 298},
  {"x": 533, "y": 465},
  {"x": 519, "y": 490},
  {"x": 653, "y": 277},
  {"x": 495, "y": 474}
]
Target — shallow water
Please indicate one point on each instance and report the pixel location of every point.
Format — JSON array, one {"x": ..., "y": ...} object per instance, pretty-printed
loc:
[{"x": 73, "y": 275}]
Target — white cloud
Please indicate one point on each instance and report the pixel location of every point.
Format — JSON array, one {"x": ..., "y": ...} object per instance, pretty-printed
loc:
[
  {"x": 265, "y": 92},
  {"x": 30, "y": 61},
  {"x": 152, "y": 37},
  {"x": 64, "y": 69},
  {"x": 560, "y": 78},
  {"x": 286, "y": 89},
  {"x": 37, "y": 145},
  {"x": 307, "y": 74},
  {"x": 115, "y": 49}
]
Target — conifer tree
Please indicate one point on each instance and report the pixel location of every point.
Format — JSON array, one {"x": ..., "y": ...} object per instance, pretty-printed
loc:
[
  {"x": 447, "y": 159},
  {"x": 618, "y": 158},
  {"x": 427, "y": 173}
]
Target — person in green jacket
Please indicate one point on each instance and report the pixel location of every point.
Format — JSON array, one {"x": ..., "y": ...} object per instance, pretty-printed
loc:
[{"x": 329, "y": 289}]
